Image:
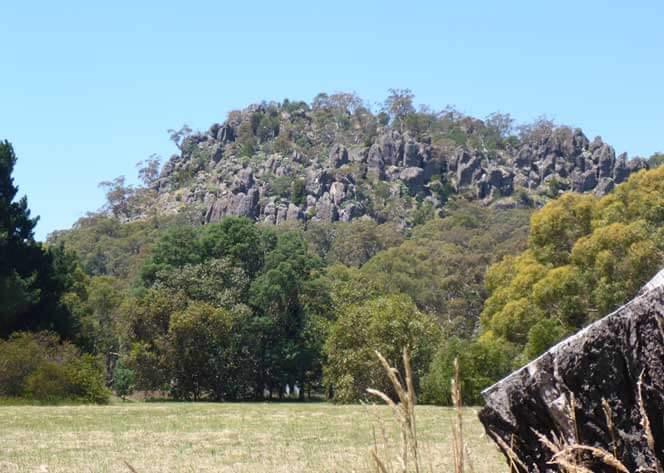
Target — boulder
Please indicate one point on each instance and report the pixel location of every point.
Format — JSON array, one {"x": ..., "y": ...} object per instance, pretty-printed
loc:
[
  {"x": 316, "y": 181},
  {"x": 337, "y": 192},
  {"x": 620, "y": 359},
  {"x": 326, "y": 210},
  {"x": 412, "y": 154},
  {"x": 375, "y": 163},
  {"x": 524, "y": 157},
  {"x": 604, "y": 186},
  {"x": 338, "y": 156},
  {"x": 620, "y": 171},
  {"x": 413, "y": 177},
  {"x": 294, "y": 213},
  {"x": 466, "y": 168}
]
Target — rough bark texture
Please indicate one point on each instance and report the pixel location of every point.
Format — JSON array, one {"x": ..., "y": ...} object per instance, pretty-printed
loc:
[{"x": 603, "y": 361}]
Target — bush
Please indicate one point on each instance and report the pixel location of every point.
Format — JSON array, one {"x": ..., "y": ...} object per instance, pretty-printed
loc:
[
  {"x": 38, "y": 366},
  {"x": 49, "y": 382},
  {"x": 87, "y": 380},
  {"x": 123, "y": 380},
  {"x": 19, "y": 357},
  {"x": 481, "y": 363}
]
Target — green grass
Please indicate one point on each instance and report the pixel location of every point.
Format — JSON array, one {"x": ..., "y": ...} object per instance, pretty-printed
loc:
[{"x": 186, "y": 437}]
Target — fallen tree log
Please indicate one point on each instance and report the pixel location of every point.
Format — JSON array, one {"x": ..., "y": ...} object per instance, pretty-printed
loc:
[{"x": 603, "y": 388}]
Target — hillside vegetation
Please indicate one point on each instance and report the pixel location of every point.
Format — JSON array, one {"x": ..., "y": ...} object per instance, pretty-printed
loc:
[
  {"x": 172, "y": 290},
  {"x": 339, "y": 159}
]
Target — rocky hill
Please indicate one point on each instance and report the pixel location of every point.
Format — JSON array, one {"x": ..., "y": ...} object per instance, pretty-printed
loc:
[{"x": 336, "y": 160}]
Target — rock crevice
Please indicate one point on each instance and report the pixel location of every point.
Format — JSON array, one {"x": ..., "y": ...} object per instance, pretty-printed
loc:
[{"x": 603, "y": 362}]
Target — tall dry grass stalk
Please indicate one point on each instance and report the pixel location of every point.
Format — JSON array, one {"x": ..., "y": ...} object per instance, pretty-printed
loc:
[
  {"x": 404, "y": 412},
  {"x": 573, "y": 457},
  {"x": 609, "y": 423},
  {"x": 645, "y": 423},
  {"x": 131, "y": 468},
  {"x": 457, "y": 429},
  {"x": 409, "y": 457}
]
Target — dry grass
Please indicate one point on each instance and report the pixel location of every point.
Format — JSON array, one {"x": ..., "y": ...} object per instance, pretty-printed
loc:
[
  {"x": 573, "y": 457},
  {"x": 409, "y": 459},
  {"x": 182, "y": 437}
]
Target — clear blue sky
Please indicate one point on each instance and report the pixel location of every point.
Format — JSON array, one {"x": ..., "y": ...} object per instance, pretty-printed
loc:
[{"x": 87, "y": 89}]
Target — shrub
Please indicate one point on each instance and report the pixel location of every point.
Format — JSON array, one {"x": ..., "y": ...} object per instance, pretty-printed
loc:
[
  {"x": 481, "y": 363},
  {"x": 19, "y": 357},
  {"x": 123, "y": 380},
  {"x": 87, "y": 380},
  {"x": 49, "y": 382},
  {"x": 38, "y": 366}
]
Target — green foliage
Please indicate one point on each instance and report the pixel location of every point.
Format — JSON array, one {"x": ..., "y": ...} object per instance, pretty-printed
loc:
[
  {"x": 229, "y": 309},
  {"x": 123, "y": 380},
  {"x": 357, "y": 242},
  {"x": 656, "y": 160},
  {"x": 246, "y": 140},
  {"x": 423, "y": 213},
  {"x": 107, "y": 247},
  {"x": 441, "y": 267},
  {"x": 480, "y": 364},
  {"x": 385, "y": 324},
  {"x": 215, "y": 281},
  {"x": 281, "y": 186},
  {"x": 39, "y": 366},
  {"x": 200, "y": 352},
  {"x": 585, "y": 257},
  {"x": 32, "y": 280},
  {"x": 297, "y": 195}
]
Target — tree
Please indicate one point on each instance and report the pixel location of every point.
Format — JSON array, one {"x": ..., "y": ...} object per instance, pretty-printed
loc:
[
  {"x": 31, "y": 282},
  {"x": 148, "y": 170},
  {"x": 18, "y": 291},
  {"x": 215, "y": 281},
  {"x": 386, "y": 324},
  {"x": 585, "y": 257},
  {"x": 442, "y": 265},
  {"x": 123, "y": 381},
  {"x": 179, "y": 136},
  {"x": 480, "y": 364},
  {"x": 117, "y": 196},
  {"x": 398, "y": 105},
  {"x": 200, "y": 352},
  {"x": 502, "y": 124},
  {"x": 656, "y": 160},
  {"x": 358, "y": 241}
]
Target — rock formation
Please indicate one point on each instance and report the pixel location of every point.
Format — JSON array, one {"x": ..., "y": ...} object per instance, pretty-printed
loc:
[
  {"x": 605, "y": 361},
  {"x": 363, "y": 175}
]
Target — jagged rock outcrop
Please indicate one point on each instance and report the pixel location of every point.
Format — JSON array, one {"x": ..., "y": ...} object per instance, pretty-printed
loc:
[
  {"x": 387, "y": 175},
  {"x": 604, "y": 361}
]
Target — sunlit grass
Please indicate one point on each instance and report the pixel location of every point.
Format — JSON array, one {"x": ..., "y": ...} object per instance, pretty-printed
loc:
[{"x": 182, "y": 437}]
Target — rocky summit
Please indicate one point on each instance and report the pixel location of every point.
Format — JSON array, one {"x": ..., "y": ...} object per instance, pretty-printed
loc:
[{"x": 335, "y": 160}]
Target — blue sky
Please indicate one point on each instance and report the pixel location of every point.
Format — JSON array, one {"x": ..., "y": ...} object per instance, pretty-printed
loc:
[{"x": 88, "y": 89}]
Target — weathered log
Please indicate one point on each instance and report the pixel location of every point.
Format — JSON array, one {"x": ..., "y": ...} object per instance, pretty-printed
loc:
[{"x": 606, "y": 360}]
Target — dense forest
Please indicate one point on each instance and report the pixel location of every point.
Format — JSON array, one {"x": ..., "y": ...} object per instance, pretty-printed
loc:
[{"x": 221, "y": 278}]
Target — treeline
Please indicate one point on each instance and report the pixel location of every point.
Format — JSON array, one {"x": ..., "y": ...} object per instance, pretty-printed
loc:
[
  {"x": 237, "y": 310},
  {"x": 36, "y": 287}
]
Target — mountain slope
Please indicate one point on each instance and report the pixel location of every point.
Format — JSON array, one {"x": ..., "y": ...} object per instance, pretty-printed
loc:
[{"x": 335, "y": 160}]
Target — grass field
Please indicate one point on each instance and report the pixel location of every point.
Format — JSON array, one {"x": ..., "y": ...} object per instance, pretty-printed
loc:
[{"x": 181, "y": 437}]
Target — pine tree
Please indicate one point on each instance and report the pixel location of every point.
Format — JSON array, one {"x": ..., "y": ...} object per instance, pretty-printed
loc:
[
  {"x": 30, "y": 284},
  {"x": 17, "y": 247}
]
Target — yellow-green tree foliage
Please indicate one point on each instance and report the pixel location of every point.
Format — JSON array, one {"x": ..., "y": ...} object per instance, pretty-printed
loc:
[
  {"x": 386, "y": 324},
  {"x": 586, "y": 256}
]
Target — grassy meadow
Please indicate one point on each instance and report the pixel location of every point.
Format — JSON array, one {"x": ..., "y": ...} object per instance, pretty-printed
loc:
[{"x": 201, "y": 437}]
